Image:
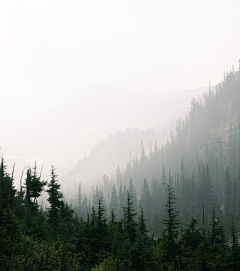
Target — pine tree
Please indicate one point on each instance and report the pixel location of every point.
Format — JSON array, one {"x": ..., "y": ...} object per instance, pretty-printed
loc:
[
  {"x": 146, "y": 200},
  {"x": 85, "y": 207},
  {"x": 235, "y": 248},
  {"x": 37, "y": 186},
  {"x": 216, "y": 243},
  {"x": 102, "y": 239},
  {"x": 132, "y": 193},
  {"x": 7, "y": 190},
  {"x": 34, "y": 187},
  {"x": 79, "y": 200},
  {"x": 141, "y": 253},
  {"x": 129, "y": 219},
  {"x": 66, "y": 220},
  {"x": 114, "y": 202},
  {"x": 54, "y": 199},
  {"x": 228, "y": 190},
  {"x": 214, "y": 234},
  {"x": 28, "y": 193},
  {"x": 114, "y": 232},
  {"x": 208, "y": 190},
  {"x": 171, "y": 223},
  {"x": 191, "y": 237},
  {"x": 142, "y": 228}
]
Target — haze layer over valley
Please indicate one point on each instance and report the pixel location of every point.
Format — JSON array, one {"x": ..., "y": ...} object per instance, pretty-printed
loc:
[{"x": 68, "y": 132}]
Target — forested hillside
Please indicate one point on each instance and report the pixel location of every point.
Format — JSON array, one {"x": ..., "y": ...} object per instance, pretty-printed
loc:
[
  {"x": 174, "y": 208},
  {"x": 105, "y": 158},
  {"x": 85, "y": 119},
  {"x": 200, "y": 161},
  {"x": 124, "y": 117}
]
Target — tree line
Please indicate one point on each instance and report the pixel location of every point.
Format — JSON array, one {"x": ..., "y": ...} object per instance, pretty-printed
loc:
[{"x": 32, "y": 238}]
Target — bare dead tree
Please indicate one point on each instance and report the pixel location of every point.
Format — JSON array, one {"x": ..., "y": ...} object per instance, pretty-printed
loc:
[
  {"x": 21, "y": 181},
  {"x": 41, "y": 172}
]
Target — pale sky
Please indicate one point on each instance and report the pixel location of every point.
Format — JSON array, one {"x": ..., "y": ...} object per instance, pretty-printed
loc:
[{"x": 50, "y": 49}]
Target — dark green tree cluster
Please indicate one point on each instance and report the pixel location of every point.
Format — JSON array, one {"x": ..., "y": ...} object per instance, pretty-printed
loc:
[
  {"x": 56, "y": 239},
  {"x": 32, "y": 238}
]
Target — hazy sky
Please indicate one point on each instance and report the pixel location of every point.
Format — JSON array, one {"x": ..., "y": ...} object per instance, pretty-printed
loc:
[{"x": 50, "y": 49}]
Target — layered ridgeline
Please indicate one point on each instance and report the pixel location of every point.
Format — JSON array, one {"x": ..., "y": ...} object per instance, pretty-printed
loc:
[
  {"x": 200, "y": 161},
  {"x": 123, "y": 120},
  {"x": 70, "y": 128}
]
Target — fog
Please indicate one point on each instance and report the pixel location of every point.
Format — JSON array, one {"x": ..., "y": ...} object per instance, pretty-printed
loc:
[
  {"x": 73, "y": 72},
  {"x": 68, "y": 132}
]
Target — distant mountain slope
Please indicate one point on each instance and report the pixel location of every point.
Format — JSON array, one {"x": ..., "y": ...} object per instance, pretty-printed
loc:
[
  {"x": 212, "y": 128},
  {"x": 62, "y": 135},
  {"x": 208, "y": 137},
  {"x": 106, "y": 156},
  {"x": 200, "y": 161},
  {"x": 120, "y": 109}
]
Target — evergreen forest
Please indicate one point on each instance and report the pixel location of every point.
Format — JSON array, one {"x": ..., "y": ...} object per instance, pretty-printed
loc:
[{"x": 176, "y": 207}]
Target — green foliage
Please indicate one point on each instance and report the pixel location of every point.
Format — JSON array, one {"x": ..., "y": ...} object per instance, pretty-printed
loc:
[
  {"x": 114, "y": 201},
  {"x": 54, "y": 199},
  {"x": 33, "y": 254},
  {"x": 7, "y": 191},
  {"x": 142, "y": 229},
  {"x": 108, "y": 264},
  {"x": 234, "y": 249},
  {"x": 228, "y": 190},
  {"x": 191, "y": 237},
  {"x": 96, "y": 244},
  {"x": 171, "y": 223},
  {"x": 129, "y": 219},
  {"x": 34, "y": 187}
]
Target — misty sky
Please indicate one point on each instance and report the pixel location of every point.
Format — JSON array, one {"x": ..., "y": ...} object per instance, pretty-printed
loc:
[{"x": 53, "y": 48}]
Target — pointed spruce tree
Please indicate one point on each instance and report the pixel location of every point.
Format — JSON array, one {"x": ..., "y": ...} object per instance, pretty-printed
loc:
[
  {"x": 130, "y": 224},
  {"x": 171, "y": 223},
  {"x": 54, "y": 199},
  {"x": 228, "y": 190}
]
